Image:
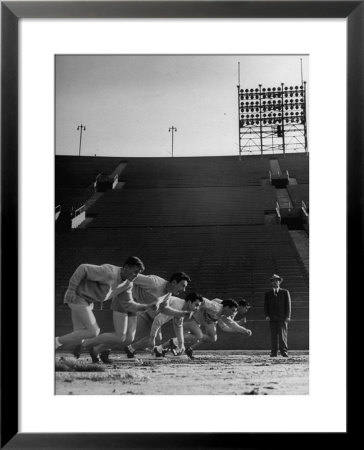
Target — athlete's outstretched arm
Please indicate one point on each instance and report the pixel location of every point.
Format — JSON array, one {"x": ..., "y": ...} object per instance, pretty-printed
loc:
[
  {"x": 164, "y": 308},
  {"x": 229, "y": 325}
]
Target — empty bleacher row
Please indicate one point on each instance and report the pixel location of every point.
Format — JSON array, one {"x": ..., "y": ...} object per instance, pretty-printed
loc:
[
  {"x": 194, "y": 172},
  {"x": 183, "y": 206}
]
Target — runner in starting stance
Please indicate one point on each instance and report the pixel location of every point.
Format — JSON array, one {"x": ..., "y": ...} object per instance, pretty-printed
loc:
[
  {"x": 90, "y": 283},
  {"x": 190, "y": 305},
  {"x": 210, "y": 314}
]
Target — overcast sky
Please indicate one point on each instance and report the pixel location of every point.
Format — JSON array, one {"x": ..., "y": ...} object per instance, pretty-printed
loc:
[{"x": 128, "y": 103}]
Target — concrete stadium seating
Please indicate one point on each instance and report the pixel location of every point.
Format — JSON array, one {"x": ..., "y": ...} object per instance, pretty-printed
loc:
[
  {"x": 195, "y": 172},
  {"x": 183, "y": 206},
  {"x": 204, "y": 216}
]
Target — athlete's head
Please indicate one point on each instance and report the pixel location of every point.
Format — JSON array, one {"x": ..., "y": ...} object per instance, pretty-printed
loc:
[
  {"x": 178, "y": 282},
  {"x": 243, "y": 306},
  {"x": 194, "y": 301},
  {"x": 230, "y": 307},
  {"x": 132, "y": 267}
]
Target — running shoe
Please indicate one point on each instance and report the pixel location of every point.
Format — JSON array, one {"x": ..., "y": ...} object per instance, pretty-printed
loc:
[
  {"x": 94, "y": 355},
  {"x": 77, "y": 350},
  {"x": 172, "y": 347},
  {"x": 159, "y": 354},
  {"x": 129, "y": 353},
  {"x": 189, "y": 352},
  {"x": 104, "y": 356}
]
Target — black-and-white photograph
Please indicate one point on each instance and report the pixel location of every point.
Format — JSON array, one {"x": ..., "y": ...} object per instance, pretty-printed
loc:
[{"x": 181, "y": 224}]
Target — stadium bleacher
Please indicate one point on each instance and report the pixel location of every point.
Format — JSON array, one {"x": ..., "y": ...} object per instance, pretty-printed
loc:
[
  {"x": 204, "y": 216},
  {"x": 183, "y": 206},
  {"x": 195, "y": 172}
]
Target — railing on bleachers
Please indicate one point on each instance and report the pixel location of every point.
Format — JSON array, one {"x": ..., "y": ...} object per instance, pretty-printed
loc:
[
  {"x": 76, "y": 212},
  {"x": 305, "y": 212},
  {"x": 77, "y": 216},
  {"x": 278, "y": 211},
  {"x": 304, "y": 208},
  {"x": 58, "y": 211},
  {"x": 116, "y": 181},
  {"x": 104, "y": 182},
  {"x": 96, "y": 180}
]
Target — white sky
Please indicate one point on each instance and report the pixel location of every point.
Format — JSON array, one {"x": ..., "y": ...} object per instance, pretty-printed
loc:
[{"x": 128, "y": 103}]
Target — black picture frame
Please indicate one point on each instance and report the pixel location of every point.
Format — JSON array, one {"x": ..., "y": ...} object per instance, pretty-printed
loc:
[{"x": 11, "y": 13}]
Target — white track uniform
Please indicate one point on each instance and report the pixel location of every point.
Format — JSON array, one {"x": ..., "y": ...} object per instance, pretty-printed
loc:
[
  {"x": 210, "y": 312},
  {"x": 151, "y": 289},
  {"x": 160, "y": 319}
]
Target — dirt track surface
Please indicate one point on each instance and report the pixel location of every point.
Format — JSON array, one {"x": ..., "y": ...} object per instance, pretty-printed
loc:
[{"x": 211, "y": 373}]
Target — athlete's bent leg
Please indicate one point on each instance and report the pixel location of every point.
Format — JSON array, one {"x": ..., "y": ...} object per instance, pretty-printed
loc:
[
  {"x": 209, "y": 336},
  {"x": 82, "y": 316},
  {"x": 108, "y": 341}
]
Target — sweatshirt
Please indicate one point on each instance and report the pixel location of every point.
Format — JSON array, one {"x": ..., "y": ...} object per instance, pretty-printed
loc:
[{"x": 94, "y": 283}]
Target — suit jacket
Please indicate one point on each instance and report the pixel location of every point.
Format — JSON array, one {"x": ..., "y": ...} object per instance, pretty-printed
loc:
[{"x": 277, "y": 307}]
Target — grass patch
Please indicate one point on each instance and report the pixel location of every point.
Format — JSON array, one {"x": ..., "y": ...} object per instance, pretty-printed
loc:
[
  {"x": 70, "y": 365},
  {"x": 113, "y": 376},
  {"x": 75, "y": 369},
  {"x": 124, "y": 378}
]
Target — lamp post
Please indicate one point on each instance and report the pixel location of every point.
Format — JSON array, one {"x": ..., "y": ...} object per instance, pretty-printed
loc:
[
  {"x": 81, "y": 128},
  {"x": 173, "y": 129}
]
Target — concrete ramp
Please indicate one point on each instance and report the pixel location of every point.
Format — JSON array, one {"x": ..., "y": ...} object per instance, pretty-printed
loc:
[
  {"x": 275, "y": 167},
  {"x": 283, "y": 198},
  {"x": 118, "y": 169}
]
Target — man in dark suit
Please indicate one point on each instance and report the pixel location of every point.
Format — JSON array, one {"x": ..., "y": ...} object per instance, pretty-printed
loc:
[{"x": 277, "y": 309}]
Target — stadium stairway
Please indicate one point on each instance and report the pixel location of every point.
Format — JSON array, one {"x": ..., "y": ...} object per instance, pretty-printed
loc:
[
  {"x": 301, "y": 241},
  {"x": 283, "y": 198}
]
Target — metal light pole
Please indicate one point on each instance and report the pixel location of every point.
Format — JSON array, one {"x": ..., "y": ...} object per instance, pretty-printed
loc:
[
  {"x": 260, "y": 120},
  {"x": 81, "y": 128},
  {"x": 173, "y": 129},
  {"x": 304, "y": 116},
  {"x": 239, "y": 110},
  {"x": 283, "y": 128}
]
